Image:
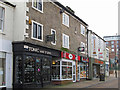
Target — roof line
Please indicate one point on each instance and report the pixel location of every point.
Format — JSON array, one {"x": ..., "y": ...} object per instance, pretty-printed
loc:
[
  {"x": 96, "y": 35},
  {"x": 62, "y": 6}
]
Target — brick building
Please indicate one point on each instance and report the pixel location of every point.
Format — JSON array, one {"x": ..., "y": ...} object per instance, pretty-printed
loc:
[
  {"x": 47, "y": 36},
  {"x": 113, "y": 43}
]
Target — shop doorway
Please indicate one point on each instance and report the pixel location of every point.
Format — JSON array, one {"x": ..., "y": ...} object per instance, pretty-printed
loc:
[
  {"x": 74, "y": 72},
  {"x": 96, "y": 71}
]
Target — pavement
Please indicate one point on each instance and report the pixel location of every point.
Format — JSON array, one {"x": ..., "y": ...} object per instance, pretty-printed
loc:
[{"x": 90, "y": 83}]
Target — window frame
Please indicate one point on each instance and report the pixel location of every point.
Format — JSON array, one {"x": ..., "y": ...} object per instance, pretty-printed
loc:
[
  {"x": 82, "y": 27},
  {"x": 37, "y": 31},
  {"x": 37, "y": 6},
  {"x": 55, "y": 36},
  {"x": 2, "y": 19},
  {"x": 63, "y": 44},
  {"x": 64, "y": 16}
]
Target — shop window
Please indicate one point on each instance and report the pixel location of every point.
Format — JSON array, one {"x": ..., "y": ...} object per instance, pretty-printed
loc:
[
  {"x": 1, "y": 18},
  {"x": 83, "y": 71},
  {"x": 38, "y": 70},
  {"x": 65, "y": 19},
  {"x": 38, "y": 5},
  {"x": 18, "y": 67},
  {"x": 112, "y": 42},
  {"x": 2, "y": 72},
  {"x": 66, "y": 70},
  {"x": 37, "y": 31},
  {"x": 29, "y": 66},
  {"x": 55, "y": 70}
]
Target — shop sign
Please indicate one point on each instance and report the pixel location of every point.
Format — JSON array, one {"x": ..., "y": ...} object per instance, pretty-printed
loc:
[
  {"x": 98, "y": 62},
  {"x": 100, "y": 55},
  {"x": 79, "y": 58},
  {"x": 85, "y": 59},
  {"x": 37, "y": 50},
  {"x": 68, "y": 56}
]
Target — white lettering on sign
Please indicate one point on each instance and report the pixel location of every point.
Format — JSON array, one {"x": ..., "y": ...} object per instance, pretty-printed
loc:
[
  {"x": 36, "y": 50},
  {"x": 70, "y": 56}
]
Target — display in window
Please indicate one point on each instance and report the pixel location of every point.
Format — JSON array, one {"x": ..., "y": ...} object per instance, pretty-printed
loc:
[{"x": 29, "y": 69}]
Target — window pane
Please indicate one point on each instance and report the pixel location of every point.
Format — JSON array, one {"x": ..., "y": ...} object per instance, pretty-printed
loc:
[
  {"x": 2, "y": 72},
  {"x": 38, "y": 70},
  {"x": 40, "y": 5},
  {"x": 1, "y": 12},
  {"x": 29, "y": 69},
  {"x": 64, "y": 63},
  {"x": 39, "y": 32},
  {"x": 34, "y": 30},
  {"x": 18, "y": 77},
  {"x": 35, "y": 3},
  {"x": 70, "y": 63},
  {"x": 1, "y": 25},
  {"x": 55, "y": 72},
  {"x": 64, "y": 72},
  {"x": 53, "y": 32}
]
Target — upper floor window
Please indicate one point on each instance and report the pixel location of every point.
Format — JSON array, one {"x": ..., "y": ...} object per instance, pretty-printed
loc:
[
  {"x": 37, "y": 31},
  {"x": 65, "y": 19},
  {"x": 112, "y": 50},
  {"x": 107, "y": 42},
  {"x": 38, "y": 5},
  {"x": 53, "y": 32},
  {"x": 82, "y": 30},
  {"x": 112, "y": 46},
  {"x": 65, "y": 41},
  {"x": 117, "y": 42},
  {"x": 1, "y": 18},
  {"x": 112, "y": 42}
]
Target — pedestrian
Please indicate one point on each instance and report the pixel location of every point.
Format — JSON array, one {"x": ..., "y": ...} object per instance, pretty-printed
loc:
[{"x": 115, "y": 73}]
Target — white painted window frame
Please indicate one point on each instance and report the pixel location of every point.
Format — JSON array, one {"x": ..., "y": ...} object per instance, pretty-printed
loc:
[
  {"x": 64, "y": 18},
  {"x": 82, "y": 29},
  {"x": 55, "y": 36},
  {"x": 2, "y": 19},
  {"x": 37, "y": 6},
  {"x": 37, "y": 31},
  {"x": 61, "y": 69},
  {"x": 63, "y": 44}
]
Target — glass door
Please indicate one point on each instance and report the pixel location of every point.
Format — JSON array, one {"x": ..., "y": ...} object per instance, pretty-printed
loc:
[
  {"x": 74, "y": 72},
  {"x": 46, "y": 70},
  {"x": 78, "y": 78}
]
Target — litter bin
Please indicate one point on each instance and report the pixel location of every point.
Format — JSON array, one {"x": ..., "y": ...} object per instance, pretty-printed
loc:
[{"x": 102, "y": 77}]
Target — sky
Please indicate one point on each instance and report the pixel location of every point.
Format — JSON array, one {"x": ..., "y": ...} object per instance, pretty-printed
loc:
[{"x": 100, "y": 15}]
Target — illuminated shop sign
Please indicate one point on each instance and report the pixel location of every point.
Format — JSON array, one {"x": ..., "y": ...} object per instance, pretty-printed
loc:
[
  {"x": 98, "y": 62},
  {"x": 68, "y": 56},
  {"x": 85, "y": 59}
]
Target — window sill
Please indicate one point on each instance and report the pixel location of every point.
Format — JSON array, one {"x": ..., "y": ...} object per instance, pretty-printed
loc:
[
  {"x": 37, "y": 9},
  {"x": 2, "y": 33},
  {"x": 36, "y": 39},
  {"x": 2, "y": 86}
]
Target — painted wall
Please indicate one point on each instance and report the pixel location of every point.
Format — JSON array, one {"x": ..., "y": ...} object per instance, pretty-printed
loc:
[
  {"x": 19, "y": 21},
  {"x": 96, "y": 46},
  {"x": 6, "y": 38}
]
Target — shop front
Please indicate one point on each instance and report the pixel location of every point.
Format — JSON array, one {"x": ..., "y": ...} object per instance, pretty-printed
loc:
[
  {"x": 106, "y": 68},
  {"x": 32, "y": 65},
  {"x": 98, "y": 68},
  {"x": 64, "y": 69},
  {"x": 83, "y": 67}
]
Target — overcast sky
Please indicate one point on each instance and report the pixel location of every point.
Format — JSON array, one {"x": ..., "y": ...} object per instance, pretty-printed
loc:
[{"x": 100, "y": 15}]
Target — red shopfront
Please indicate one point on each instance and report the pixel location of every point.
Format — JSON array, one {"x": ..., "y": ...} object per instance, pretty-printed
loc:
[
  {"x": 70, "y": 68},
  {"x": 64, "y": 69}
]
